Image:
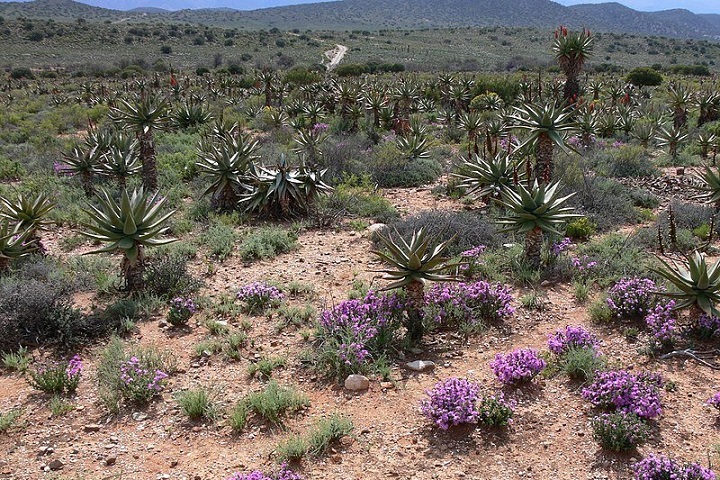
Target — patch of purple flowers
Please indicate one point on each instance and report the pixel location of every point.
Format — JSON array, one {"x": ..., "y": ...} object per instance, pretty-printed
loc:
[
  {"x": 660, "y": 467},
  {"x": 468, "y": 303},
  {"x": 74, "y": 368},
  {"x": 181, "y": 309},
  {"x": 626, "y": 392},
  {"x": 452, "y": 402},
  {"x": 362, "y": 327},
  {"x": 563, "y": 245},
  {"x": 285, "y": 473},
  {"x": 662, "y": 324},
  {"x": 632, "y": 297},
  {"x": 709, "y": 325},
  {"x": 714, "y": 400},
  {"x": 140, "y": 384},
  {"x": 518, "y": 366},
  {"x": 574, "y": 336},
  {"x": 259, "y": 296}
]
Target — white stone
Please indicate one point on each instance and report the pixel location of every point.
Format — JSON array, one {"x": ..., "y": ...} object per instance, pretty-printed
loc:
[
  {"x": 357, "y": 382},
  {"x": 420, "y": 365}
]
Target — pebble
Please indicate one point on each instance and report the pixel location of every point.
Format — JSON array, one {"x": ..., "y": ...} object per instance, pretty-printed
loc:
[
  {"x": 56, "y": 465},
  {"x": 109, "y": 461},
  {"x": 357, "y": 382},
  {"x": 420, "y": 365},
  {"x": 92, "y": 428}
]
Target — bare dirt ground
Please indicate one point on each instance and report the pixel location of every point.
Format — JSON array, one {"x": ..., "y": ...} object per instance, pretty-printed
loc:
[
  {"x": 335, "y": 56},
  {"x": 550, "y": 437}
]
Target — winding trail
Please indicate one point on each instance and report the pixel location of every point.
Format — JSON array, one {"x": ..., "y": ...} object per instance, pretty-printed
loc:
[{"x": 335, "y": 56}]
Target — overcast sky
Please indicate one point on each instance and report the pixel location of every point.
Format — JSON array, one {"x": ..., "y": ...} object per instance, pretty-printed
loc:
[{"x": 697, "y": 6}]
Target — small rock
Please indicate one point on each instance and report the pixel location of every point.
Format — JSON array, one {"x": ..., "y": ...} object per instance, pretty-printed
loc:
[
  {"x": 357, "y": 382},
  {"x": 420, "y": 365},
  {"x": 336, "y": 458},
  {"x": 416, "y": 351},
  {"x": 110, "y": 461},
  {"x": 375, "y": 227},
  {"x": 92, "y": 428},
  {"x": 56, "y": 465},
  {"x": 162, "y": 324},
  {"x": 387, "y": 385},
  {"x": 139, "y": 416}
]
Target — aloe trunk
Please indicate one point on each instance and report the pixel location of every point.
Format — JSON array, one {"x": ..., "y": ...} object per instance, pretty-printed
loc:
[
  {"x": 133, "y": 271},
  {"x": 545, "y": 151},
  {"x": 416, "y": 300},
  {"x": 147, "y": 157},
  {"x": 226, "y": 200},
  {"x": 533, "y": 246},
  {"x": 86, "y": 179}
]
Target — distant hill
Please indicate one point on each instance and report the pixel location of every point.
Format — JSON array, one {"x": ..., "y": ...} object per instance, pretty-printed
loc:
[
  {"x": 401, "y": 14},
  {"x": 148, "y": 10}
]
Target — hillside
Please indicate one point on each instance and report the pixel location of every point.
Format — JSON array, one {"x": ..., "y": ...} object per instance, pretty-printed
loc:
[{"x": 400, "y": 14}]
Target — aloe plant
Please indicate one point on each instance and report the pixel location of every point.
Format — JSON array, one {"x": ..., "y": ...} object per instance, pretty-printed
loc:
[
  {"x": 413, "y": 264},
  {"x": 709, "y": 186},
  {"x": 547, "y": 125},
  {"x": 228, "y": 164},
  {"x": 14, "y": 243},
  {"x": 143, "y": 116},
  {"x": 284, "y": 191},
  {"x": 572, "y": 49},
  {"x": 28, "y": 215},
  {"x": 534, "y": 212},
  {"x": 128, "y": 226},
  {"x": 697, "y": 284},
  {"x": 489, "y": 178},
  {"x": 85, "y": 162}
]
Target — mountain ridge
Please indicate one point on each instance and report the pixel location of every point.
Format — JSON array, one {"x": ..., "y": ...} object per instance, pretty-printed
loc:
[{"x": 400, "y": 14}]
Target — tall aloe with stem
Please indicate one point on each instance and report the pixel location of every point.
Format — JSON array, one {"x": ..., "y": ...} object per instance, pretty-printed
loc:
[
  {"x": 29, "y": 215},
  {"x": 697, "y": 284},
  {"x": 413, "y": 263},
  {"x": 533, "y": 213},
  {"x": 547, "y": 125},
  {"x": 572, "y": 49},
  {"x": 671, "y": 138},
  {"x": 120, "y": 164},
  {"x": 129, "y": 226},
  {"x": 143, "y": 117},
  {"x": 83, "y": 161}
]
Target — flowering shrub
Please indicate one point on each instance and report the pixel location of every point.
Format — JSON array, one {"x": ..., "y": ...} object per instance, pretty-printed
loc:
[
  {"x": 662, "y": 324},
  {"x": 619, "y": 431},
  {"x": 495, "y": 411},
  {"x": 58, "y": 377},
  {"x": 626, "y": 392},
  {"x": 139, "y": 383},
  {"x": 517, "y": 366},
  {"x": 181, "y": 309},
  {"x": 708, "y": 326},
  {"x": 471, "y": 260},
  {"x": 562, "y": 246},
  {"x": 632, "y": 297},
  {"x": 259, "y": 296},
  {"x": 451, "y": 403},
  {"x": 714, "y": 400},
  {"x": 356, "y": 330},
  {"x": 574, "y": 336},
  {"x": 583, "y": 266},
  {"x": 660, "y": 467},
  {"x": 467, "y": 304},
  {"x": 285, "y": 473}
]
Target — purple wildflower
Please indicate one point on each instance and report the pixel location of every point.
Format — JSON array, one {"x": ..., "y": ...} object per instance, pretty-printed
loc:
[
  {"x": 574, "y": 336},
  {"x": 451, "y": 403},
  {"x": 468, "y": 303},
  {"x": 259, "y": 296},
  {"x": 660, "y": 467},
  {"x": 714, "y": 400},
  {"x": 518, "y": 366},
  {"x": 662, "y": 324},
  {"x": 626, "y": 392},
  {"x": 632, "y": 297}
]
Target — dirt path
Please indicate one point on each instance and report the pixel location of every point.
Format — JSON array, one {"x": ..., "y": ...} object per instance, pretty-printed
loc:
[{"x": 335, "y": 56}]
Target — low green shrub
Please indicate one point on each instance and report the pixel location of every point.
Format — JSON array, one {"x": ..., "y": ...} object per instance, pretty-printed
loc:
[
  {"x": 266, "y": 243},
  {"x": 274, "y": 402},
  {"x": 197, "y": 404}
]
